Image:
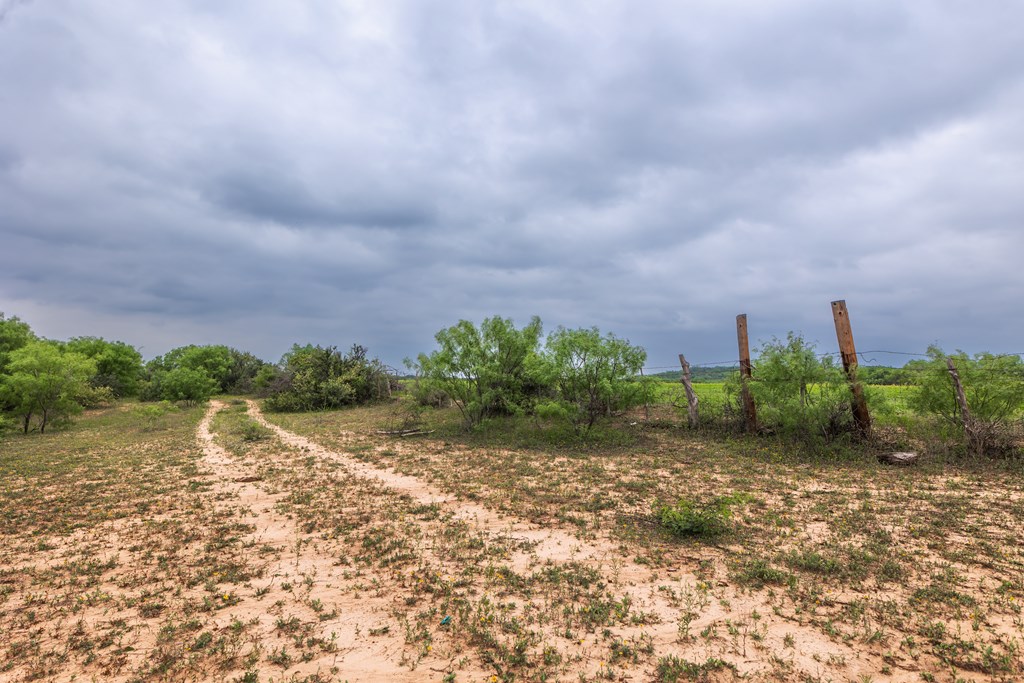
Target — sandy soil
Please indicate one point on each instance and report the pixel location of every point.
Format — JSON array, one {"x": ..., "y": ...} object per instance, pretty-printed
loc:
[
  {"x": 809, "y": 654},
  {"x": 301, "y": 593}
]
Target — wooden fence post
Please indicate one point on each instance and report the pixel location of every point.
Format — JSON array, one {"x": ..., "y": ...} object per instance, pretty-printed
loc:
[
  {"x": 749, "y": 410},
  {"x": 844, "y": 333},
  {"x": 973, "y": 442},
  {"x": 647, "y": 404},
  {"x": 691, "y": 396}
]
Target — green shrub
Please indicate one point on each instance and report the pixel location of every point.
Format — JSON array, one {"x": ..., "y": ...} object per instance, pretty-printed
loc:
[
  {"x": 672, "y": 669},
  {"x": 316, "y": 378},
  {"x": 118, "y": 365},
  {"x": 150, "y": 413},
  {"x": 993, "y": 386},
  {"x": 44, "y": 383},
  {"x": 187, "y": 385},
  {"x": 800, "y": 395},
  {"x": 592, "y": 376},
  {"x": 427, "y": 394},
  {"x": 96, "y": 396},
  {"x": 758, "y": 573},
  {"x": 486, "y": 371},
  {"x": 252, "y": 431},
  {"x": 690, "y": 519},
  {"x": 14, "y": 334}
]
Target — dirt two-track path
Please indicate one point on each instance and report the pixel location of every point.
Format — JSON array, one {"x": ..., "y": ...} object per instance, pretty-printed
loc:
[
  {"x": 808, "y": 653},
  {"x": 359, "y": 656}
]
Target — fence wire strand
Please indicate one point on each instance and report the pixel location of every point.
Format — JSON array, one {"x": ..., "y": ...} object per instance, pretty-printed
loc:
[{"x": 866, "y": 358}]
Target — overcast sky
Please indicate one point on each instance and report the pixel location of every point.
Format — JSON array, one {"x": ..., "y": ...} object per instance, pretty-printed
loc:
[{"x": 260, "y": 173}]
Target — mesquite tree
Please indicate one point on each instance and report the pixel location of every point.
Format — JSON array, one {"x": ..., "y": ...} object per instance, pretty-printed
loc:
[{"x": 44, "y": 382}]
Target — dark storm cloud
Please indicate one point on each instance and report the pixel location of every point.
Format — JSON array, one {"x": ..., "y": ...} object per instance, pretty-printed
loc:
[
  {"x": 265, "y": 195},
  {"x": 260, "y": 174}
]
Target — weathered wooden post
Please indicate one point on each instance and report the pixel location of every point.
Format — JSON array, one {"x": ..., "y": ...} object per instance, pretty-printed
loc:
[
  {"x": 746, "y": 374},
  {"x": 647, "y": 404},
  {"x": 844, "y": 334},
  {"x": 691, "y": 396},
  {"x": 973, "y": 442}
]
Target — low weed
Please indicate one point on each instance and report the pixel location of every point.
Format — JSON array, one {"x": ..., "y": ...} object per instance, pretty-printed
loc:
[
  {"x": 672, "y": 669},
  {"x": 691, "y": 519}
]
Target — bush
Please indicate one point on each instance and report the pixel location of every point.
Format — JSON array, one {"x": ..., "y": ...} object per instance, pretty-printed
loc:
[
  {"x": 14, "y": 334},
  {"x": 993, "y": 386},
  {"x": 798, "y": 394},
  {"x": 118, "y": 365},
  {"x": 96, "y": 396},
  {"x": 151, "y": 389},
  {"x": 264, "y": 378},
  {"x": 149, "y": 414},
  {"x": 426, "y": 393},
  {"x": 688, "y": 518},
  {"x": 593, "y": 376},
  {"x": 671, "y": 669},
  {"x": 190, "y": 386},
  {"x": 6, "y": 424},
  {"x": 243, "y": 373},
  {"x": 252, "y": 431},
  {"x": 485, "y": 371},
  {"x": 215, "y": 361},
  {"x": 315, "y": 378},
  {"x": 44, "y": 383}
]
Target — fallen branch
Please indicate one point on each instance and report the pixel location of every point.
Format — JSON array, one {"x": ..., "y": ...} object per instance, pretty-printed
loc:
[
  {"x": 903, "y": 459},
  {"x": 404, "y": 432}
]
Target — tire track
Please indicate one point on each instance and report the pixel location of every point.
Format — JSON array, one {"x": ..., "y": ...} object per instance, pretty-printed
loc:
[
  {"x": 639, "y": 584},
  {"x": 360, "y": 655},
  {"x": 550, "y": 544}
]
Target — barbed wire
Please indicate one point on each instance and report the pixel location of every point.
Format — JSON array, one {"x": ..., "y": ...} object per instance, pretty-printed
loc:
[{"x": 864, "y": 357}]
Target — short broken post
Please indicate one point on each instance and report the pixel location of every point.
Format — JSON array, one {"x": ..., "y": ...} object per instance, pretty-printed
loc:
[
  {"x": 647, "y": 403},
  {"x": 844, "y": 333},
  {"x": 691, "y": 396},
  {"x": 746, "y": 373}
]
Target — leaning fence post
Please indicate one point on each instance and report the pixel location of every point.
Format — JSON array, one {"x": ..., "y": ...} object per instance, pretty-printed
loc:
[
  {"x": 691, "y": 395},
  {"x": 844, "y": 333},
  {"x": 973, "y": 442},
  {"x": 746, "y": 374}
]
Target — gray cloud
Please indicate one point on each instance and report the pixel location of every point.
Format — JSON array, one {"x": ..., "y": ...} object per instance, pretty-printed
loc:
[{"x": 260, "y": 174}]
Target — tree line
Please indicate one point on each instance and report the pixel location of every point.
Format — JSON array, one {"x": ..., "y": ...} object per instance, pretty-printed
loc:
[
  {"x": 495, "y": 369},
  {"x": 45, "y": 382}
]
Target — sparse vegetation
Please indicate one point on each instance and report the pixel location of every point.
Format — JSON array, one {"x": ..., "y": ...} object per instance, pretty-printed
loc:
[{"x": 513, "y": 551}]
